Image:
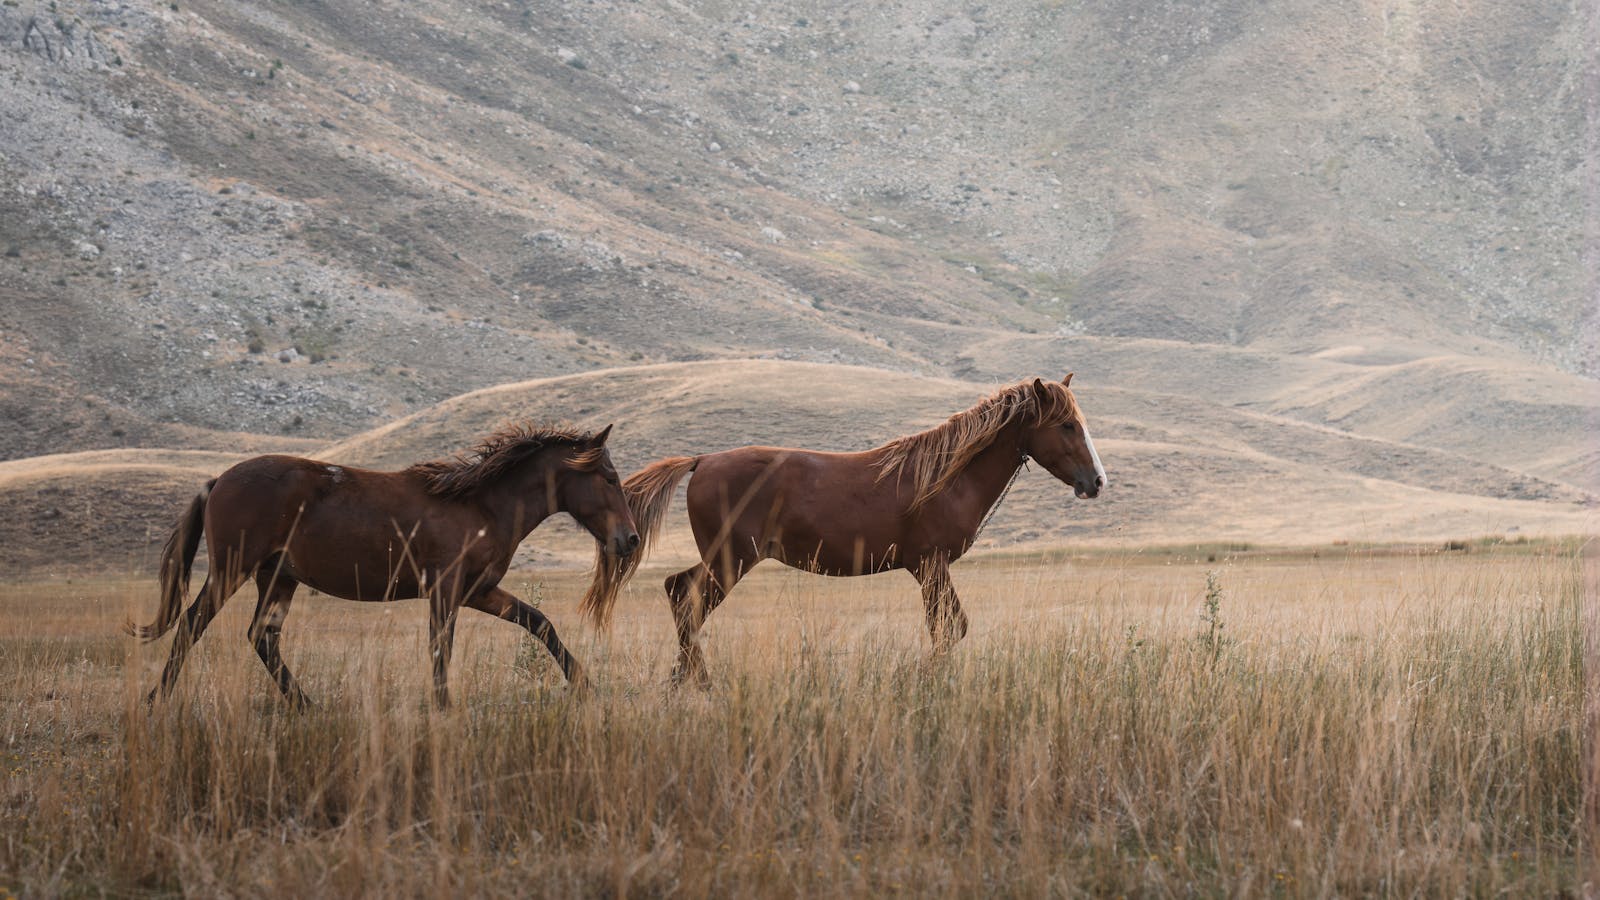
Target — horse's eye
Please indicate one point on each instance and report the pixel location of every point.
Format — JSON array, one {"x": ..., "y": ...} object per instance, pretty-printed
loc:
[{"x": 1069, "y": 427}]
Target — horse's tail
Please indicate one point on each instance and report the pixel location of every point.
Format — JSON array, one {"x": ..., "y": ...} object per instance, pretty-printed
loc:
[
  {"x": 177, "y": 558},
  {"x": 649, "y": 492}
]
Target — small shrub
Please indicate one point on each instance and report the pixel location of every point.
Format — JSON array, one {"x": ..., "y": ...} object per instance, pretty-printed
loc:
[
  {"x": 533, "y": 659},
  {"x": 1210, "y": 637}
]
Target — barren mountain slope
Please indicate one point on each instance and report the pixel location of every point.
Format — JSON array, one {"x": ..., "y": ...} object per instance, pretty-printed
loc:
[
  {"x": 202, "y": 184},
  {"x": 425, "y": 198}
]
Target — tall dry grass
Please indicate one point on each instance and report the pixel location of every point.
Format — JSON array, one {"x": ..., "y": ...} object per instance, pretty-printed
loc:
[{"x": 1363, "y": 725}]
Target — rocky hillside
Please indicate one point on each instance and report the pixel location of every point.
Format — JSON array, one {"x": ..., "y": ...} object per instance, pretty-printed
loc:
[{"x": 1297, "y": 228}]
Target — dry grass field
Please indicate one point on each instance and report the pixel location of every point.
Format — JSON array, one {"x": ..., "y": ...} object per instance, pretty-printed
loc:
[
  {"x": 1340, "y": 721},
  {"x": 1323, "y": 274}
]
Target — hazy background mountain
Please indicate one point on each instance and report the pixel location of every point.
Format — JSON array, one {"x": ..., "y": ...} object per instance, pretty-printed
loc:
[{"x": 1322, "y": 269}]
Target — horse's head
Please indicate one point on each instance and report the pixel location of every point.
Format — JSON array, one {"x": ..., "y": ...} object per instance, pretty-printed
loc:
[
  {"x": 587, "y": 488},
  {"x": 1059, "y": 439}
]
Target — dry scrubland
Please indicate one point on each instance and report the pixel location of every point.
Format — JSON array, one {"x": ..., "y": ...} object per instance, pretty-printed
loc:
[{"x": 1342, "y": 721}]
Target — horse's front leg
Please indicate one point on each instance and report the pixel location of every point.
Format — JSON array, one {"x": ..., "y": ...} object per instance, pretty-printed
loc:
[
  {"x": 947, "y": 623},
  {"x": 502, "y": 604},
  {"x": 442, "y": 609}
]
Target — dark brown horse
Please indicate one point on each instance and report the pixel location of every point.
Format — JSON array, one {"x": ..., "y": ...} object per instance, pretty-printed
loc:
[
  {"x": 916, "y": 503},
  {"x": 444, "y": 530}
]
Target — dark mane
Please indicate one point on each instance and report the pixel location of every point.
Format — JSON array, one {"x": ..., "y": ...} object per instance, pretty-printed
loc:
[
  {"x": 497, "y": 454},
  {"x": 932, "y": 458}
]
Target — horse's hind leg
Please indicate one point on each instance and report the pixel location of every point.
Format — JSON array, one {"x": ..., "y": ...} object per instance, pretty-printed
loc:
[
  {"x": 218, "y": 587},
  {"x": 693, "y": 594},
  {"x": 680, "y": 587},
  {"x": 276, "y": 592}
]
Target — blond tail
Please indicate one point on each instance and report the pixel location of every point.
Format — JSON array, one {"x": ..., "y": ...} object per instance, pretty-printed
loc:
[
  {"x": 177, "y": 558},
  {"x": 649, "y": 493}
]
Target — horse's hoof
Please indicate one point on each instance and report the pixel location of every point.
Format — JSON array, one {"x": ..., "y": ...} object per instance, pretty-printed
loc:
[
  {"x": 937, "y": 664},
  {"x": 700, "y": 679},
  {"x": 682, "y": 673},
  {"x": 580, "y": 686}
]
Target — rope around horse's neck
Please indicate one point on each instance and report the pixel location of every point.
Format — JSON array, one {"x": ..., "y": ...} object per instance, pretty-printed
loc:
[{"x": 998, "y": 500}]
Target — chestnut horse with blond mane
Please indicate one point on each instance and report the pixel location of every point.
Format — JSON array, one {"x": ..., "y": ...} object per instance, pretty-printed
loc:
[
  {"x": 444, "y": 530},
  {"x": 915, "y": 503}
]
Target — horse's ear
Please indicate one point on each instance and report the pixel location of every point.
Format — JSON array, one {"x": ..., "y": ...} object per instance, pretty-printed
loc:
[
  {"x": 1067, "y": 381},
  {"x": 599, "y": 440},
  {"x": 1041, "y": 393}
]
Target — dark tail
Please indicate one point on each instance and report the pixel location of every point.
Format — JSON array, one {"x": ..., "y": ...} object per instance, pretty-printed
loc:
[
  {"x": 177, "y": 558},
  {"x": 649, "y": 492}
]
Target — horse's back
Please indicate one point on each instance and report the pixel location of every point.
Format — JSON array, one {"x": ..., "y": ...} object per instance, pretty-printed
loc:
[
  {"x": 332, "y": 521},
  {"x": 756, "y": 471},
  {"x": 289, "y": 477},
  {"x": 795, "y": 504},
  {"x": 276, "y": 487}
]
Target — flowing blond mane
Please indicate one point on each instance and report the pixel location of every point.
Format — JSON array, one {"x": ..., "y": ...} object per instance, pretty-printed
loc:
[
  {"x": 498, "y": 453},
  {"x": 932, "y": 459}
]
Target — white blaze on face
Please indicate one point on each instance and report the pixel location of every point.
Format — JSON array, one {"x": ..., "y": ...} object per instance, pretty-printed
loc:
[{"x": 1099, "y": 470}]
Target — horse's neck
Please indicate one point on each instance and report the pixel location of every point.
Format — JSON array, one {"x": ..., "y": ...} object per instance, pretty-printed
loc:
[
  {"x": 981, "y": 482},
  {"x": 522, "y": 499}
]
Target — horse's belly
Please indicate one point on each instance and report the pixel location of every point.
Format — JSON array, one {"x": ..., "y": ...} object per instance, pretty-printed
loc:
[
  {"x": 374, "y": 565},
  {"x": 834, "y": 555},
  {"x": 356, "y": 561},
  {"x": 355, "y": 584},
  {"x": 833, "y": 539}
]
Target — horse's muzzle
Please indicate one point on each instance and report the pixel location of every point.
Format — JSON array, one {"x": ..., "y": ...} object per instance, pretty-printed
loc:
[
  {"x": 623, "y": 546},
  {"x": 1089, "y": 490}
]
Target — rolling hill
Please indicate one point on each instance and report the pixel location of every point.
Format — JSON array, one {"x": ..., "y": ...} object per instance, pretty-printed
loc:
[{"x": 1271, "y": 479}]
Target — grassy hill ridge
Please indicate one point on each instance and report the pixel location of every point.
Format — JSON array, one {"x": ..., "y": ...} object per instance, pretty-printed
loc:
[{"x": 1271, "y": 480}]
